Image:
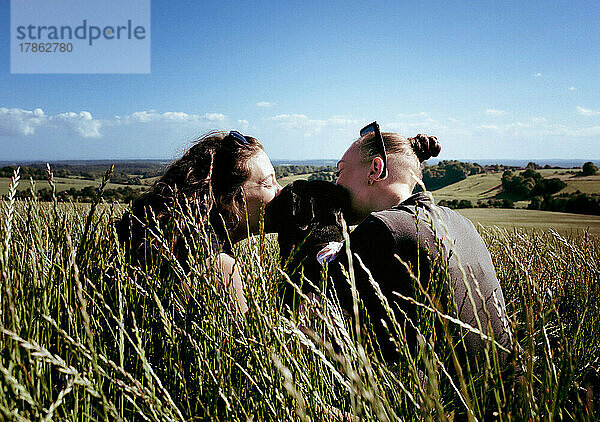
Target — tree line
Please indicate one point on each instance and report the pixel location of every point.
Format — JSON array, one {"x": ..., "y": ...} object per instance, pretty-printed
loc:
[
  {"x": 446, "y": 172},
  {"x": 435, "y": 177},
  {"x": 85, "y": 194},
  {"x": 526, "y": 185},
  {"x": 124, "y": 173},
  {"x": 529, "y": 183},
  {"x": 543, "y": 193},
  {"x": 577, "y": 203},
  {"x": 291, "y": 170}
]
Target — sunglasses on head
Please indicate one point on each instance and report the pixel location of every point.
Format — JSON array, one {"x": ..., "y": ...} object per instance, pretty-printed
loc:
[
  {"x": 374, "y": 128},
  {"x": 238, "y": 137}
]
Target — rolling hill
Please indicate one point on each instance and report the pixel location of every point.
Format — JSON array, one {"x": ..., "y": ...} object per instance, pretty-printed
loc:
[{"x": 488, "y": 185}]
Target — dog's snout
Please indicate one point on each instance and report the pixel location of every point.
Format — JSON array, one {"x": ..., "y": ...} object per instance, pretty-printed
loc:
[{"x": 270, "y": 226}]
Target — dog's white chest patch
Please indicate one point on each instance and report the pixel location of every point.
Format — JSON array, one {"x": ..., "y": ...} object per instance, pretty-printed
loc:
[{"x": 329, "y": 252}]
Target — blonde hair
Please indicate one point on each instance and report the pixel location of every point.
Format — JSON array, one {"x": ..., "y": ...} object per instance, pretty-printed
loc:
[{"x": 409, "y": 153}]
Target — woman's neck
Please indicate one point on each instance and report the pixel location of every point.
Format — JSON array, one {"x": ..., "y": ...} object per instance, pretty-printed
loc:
[{"x": 391, "y": 195}]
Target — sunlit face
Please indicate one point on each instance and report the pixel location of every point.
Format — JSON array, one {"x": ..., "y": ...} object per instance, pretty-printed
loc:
[
  {"x": 353, "y": 174},
  {"x": 260, "y": 188}
]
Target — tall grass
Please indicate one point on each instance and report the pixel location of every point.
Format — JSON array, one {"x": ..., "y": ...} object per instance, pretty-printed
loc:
[{"x": 87, "y": 336}]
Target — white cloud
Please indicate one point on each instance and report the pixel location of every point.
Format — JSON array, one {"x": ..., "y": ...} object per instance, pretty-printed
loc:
[
  {"x": 81, "y": 123},
  {"x": 572, "y": 88},
  {"x": 18, "y": 122},
  {"x": 539, "y": 127},
  {"x": 147, "y": 116},
  {"x": 214, "y": 117},
  {"x": 494, "y": 112},
  {"x": 291, "y": 120},
  {"x": 310, "y": 127},
  {"x": 342, "y": 121},
  {"x": 537, "y": 75},
  {"x": 177, "y": 116},
  {"x": 289, "y": 117},
  {"x": 416, "y": 122},
  {"x": 244, "y": 124},
  {"x": 571, "y": 132},
  {"x": 587, "y": 111},
  {"x": 264, "y": 104},
  {"x": 489, "y": 127},
  {"x": 413, "y": 115},
  {"x": 142, "y": 116},
  {"x": 299, "y": 122}
]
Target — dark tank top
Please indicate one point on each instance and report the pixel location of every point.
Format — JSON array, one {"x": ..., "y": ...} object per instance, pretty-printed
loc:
[{"x": 422, "y": 234}]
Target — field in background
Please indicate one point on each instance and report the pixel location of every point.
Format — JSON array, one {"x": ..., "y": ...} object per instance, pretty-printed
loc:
[
  {"x": 584, "y": 184},
  {"x": 533, "y": 219},
  {"x": 62, "y": 183},
  {"x": 481, "y": 187},
  {"x": 473, "y": 188},
  {"x": 289, "y": 179}
]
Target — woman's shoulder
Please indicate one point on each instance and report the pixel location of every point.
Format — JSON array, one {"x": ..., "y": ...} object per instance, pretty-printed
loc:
[{"x": 227, "y": 261}]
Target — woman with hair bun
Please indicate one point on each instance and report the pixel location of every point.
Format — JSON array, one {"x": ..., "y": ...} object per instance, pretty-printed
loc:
[
  {"x": 380, "y": 170},
  {"x": 217, "y": 187}
]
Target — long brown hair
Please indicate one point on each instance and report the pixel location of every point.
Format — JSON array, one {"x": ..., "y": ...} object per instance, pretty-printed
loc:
[{"x": 204, "y": 185}]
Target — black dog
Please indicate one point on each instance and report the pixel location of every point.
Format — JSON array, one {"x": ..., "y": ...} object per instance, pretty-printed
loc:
[{"x": 307, "y": 215}]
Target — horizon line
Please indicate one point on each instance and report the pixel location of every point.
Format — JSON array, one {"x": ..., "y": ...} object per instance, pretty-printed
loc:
[{"x": 292, "y": 160}]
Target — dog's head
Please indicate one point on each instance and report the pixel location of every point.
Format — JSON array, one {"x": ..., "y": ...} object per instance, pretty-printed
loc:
[{"x": 307, "y": 207}]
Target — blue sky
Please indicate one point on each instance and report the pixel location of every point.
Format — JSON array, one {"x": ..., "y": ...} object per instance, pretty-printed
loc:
[{"x": 491, "y": 79}]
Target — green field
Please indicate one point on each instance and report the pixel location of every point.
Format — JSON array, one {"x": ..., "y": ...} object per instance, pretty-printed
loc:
[
  {"x": 473, "y": 188},
  {"x": 87, "y": 336},
  {"x": 584, "y": 184},
  {"x": 481, "y": 187},
  {"x": 533, "y": 219},
  {"x": 65, "y": 183},
  {"x": 61, "y": 183},
  {"x": 289, "y": 179}
]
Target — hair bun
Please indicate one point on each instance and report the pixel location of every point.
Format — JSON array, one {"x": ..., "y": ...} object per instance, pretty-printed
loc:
[{"x": 425, "y": 146}]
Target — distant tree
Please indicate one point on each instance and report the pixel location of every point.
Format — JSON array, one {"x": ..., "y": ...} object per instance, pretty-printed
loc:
[
  {"x": 589, "y": 168},
  {"x": 445, "y": 173},
  {"x": 456, "y": 172},
  {"x": 328, "y": 176},
  {"x": 507, "y": 203},
  {"x": 583, "y": 204},
  {"x": 530, "y": 183},
  {"x": 550, "y": 186},
  {"x": 531, "y": 173},
  {"x": 535, "y": 203}
]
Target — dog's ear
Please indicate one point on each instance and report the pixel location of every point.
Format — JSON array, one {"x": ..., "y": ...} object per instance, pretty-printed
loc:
[
  {"x": 303, "y": 209},
  {"x": 332, "y": 202}
]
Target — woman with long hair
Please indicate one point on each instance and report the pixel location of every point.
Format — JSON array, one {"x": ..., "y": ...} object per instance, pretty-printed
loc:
[{"x": 217, "y": 188}]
